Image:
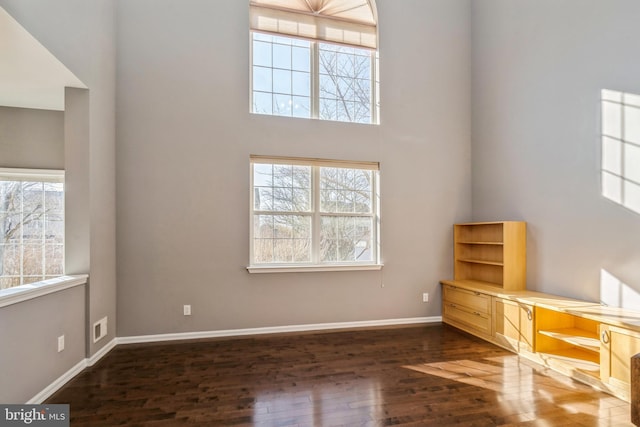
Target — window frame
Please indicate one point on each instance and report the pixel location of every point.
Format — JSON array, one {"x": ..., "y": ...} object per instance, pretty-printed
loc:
[
  {"x": 314, "y": 75},
  {"x": 316, "y": 215},
  {"x": 39, "y": 176}
]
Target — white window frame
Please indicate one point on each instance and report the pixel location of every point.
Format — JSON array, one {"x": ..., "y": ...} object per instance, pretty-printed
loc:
[
  {"x": 315, "y": 213},
  {"x": 314, "y": 94}
]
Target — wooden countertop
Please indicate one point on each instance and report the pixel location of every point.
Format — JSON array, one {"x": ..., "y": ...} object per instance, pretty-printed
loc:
[{"x": 622, "y": 317}]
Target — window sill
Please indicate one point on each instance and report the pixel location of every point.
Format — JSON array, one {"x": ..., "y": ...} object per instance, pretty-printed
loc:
[
  {"x": 311, "y": 268},
  {"x": 22, "y": 293}
]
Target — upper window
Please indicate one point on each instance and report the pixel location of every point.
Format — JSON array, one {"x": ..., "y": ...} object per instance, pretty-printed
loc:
[
  {"x": 314, "y": 213},
  {"x": 31, "y": 226},
  {"x": 314, "y": 59}
]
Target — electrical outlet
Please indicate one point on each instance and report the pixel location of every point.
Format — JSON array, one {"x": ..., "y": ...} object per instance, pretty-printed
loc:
[
  {"x": 425, "y": 297},
  {"x": 60, "y": 343},
  {"x": 187, "y": 310}
]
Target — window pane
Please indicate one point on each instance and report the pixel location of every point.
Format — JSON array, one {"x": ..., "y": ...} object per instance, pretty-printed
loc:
[
  {"x": 344, "y": 239},
  {"x": 282, "y": 105},
  {"x": 282, "y": 81},
  {"x": 262, "y": 103},
  {"x": 32, "y": 260},
  {"x": 262, "y": 175},
  {"x": 281, "y": 56},
  {"x": 301, "y": 83},
  {"x": 262, "y": 54},
  {"x": 301, "y": 107},
  {"x": 263, "y": 37},
  {"x": 262, "y": 79},
  {"x": 284, "y": 188},
  {"x": 282, "y": 238},
  {"x": 328, "y": 109},
  {"x": 301, "y": 59},
  {"x": 328, "y": 87},
  {"x": 54, "y": 260},
  {"x": 10, "y": 259}
]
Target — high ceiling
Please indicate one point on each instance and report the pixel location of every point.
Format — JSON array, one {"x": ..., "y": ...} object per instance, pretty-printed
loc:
[{"x": 30, "y": 76}]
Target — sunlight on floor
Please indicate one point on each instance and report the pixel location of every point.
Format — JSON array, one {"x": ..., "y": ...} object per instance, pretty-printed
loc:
[{"x": 524, "y": 389}]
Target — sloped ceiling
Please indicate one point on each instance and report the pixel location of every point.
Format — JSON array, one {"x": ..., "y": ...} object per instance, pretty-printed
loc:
[{"x": 30, "y": 76}]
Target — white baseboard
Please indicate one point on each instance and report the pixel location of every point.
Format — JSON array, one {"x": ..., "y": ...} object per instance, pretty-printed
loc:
[
  {"x": 102, "y": 352},
  {"x": 275, "y": 330},
  {"x": 57, "y": 384},
  {"x": 84, "y": 363},
  {"x": 71, "y": 373}
]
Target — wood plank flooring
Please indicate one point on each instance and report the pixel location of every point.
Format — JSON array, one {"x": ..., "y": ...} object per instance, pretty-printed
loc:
[{"x": 430, "y": 375}]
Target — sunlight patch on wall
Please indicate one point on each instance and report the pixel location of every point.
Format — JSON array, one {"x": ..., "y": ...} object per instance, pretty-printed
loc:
[
  {"x": 615, "y": 293},
  {"x": 621, "y": 148}
]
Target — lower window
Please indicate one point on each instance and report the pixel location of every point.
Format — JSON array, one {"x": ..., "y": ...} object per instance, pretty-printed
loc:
[
  {"x": 314, "y": 212},
  {"x": 31, "y": 226}
]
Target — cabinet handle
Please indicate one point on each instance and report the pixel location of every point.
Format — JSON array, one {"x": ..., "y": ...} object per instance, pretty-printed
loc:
[
  {"x": 452, "y": 305},
  {"x": 605, "y": 337},
  {"x": 529, "y": 314},
  {"x": 476, "y": 313},
  {"x": 476, "y": 293}
]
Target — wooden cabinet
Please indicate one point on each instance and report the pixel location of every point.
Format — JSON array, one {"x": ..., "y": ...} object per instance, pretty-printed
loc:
[
  {"x": 491, "y": 252},
  {"x": 567, "y": 342},
  {"x": 618, "y": 345},
  {"x": 513, "y": 325},
  {"x": 467, "y": 310},
  {"x": 488, "y": 298}
]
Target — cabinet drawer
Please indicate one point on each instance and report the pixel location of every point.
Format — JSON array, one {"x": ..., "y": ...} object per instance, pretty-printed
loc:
[
  {"x": 475, "y": 301},
  {"x": 469, "y": 318}
]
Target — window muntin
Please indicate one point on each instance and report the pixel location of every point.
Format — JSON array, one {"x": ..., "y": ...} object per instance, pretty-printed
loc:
[
  {"x": 32, "y": 227},
  {"x": 310, "y": 213},
  {"x": 309, "y": 79}
]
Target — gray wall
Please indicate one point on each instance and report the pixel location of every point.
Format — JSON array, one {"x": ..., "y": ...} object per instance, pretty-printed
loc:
[
  {"x": 31, "y": 138},
  {"x": 81, "y": 34},
  {"x": 537, "y": 70},
  {"x": 29, "y": 360},
  {"x": 184, "y": 137}
]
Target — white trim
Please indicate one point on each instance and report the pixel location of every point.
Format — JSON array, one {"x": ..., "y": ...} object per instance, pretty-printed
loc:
[
  {"x": 276, "y": 330},
  {"x": 102, "y": 352},
  {"x": 20, "y": 174},
  {"x": 71, "y": 373},
  {"x": 57, "y": 384},
  {"x": 23, "y": 293},
  {"x": 311, "y": 268}
]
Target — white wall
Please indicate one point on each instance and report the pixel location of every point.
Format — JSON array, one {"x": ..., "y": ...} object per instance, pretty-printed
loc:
[
  {"x": 184, "y": 138},
  {"x": 537, "y": 70}
]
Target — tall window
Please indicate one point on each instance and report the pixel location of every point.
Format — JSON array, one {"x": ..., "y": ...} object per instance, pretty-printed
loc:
[
  {"x": 314, "y": 213},
  {"x": 31, "y": 226},
  {"x": 314, "y": 59}
]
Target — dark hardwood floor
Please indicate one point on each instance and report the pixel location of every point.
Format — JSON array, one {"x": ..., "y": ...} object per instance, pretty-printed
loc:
[{"x": 420, "y": 376}]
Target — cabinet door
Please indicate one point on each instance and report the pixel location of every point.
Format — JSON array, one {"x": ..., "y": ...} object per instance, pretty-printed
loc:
[
  {"x": 617, "y": 345},
  {"x": 513, "y": 323}
]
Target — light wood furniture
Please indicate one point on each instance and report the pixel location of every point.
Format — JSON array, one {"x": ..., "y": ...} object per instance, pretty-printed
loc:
[
  {"x": 491, "y": 252},
  {"x": 585, "y": 341},
  {"x": 488, "y": 298}
]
